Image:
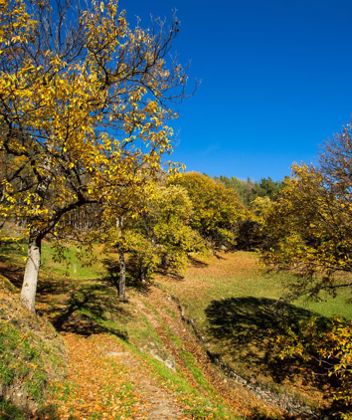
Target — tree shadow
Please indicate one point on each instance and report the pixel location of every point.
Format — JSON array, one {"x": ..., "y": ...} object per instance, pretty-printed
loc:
[
  {"x": 53, "y": 286},
  {"x": 172, "y": 275},
  {"x": 91, "y": 308},
  {"x": 247, "y": 329},
  {"x": 197, "y": 263},
  {"x": 12, "y": 273},
  {"x": 9, "y": 411},
  {"x": 219, "y": 256}
]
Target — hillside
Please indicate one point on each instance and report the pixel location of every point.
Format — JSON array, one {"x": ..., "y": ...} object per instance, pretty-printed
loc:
[
  {"x": 132, "y": 287},
  {"x": 132, "y": 358},
  {"x": 237, "y": 308},
  {"x": 32, "y": 358},
  {"x": 191, "y": 348}
]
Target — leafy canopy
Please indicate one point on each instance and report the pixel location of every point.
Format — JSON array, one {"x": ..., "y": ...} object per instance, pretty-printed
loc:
[
  {"x": 83, "y": 104},
  {"x": 217, "y": 209}
]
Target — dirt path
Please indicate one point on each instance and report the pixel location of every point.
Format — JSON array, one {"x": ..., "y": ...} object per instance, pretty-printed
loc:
[{"x": 107, "y": 382}]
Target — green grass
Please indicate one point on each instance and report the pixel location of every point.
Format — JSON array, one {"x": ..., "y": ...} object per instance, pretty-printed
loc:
[
  {"x": 196, "y": 403},
  {"x": 235, "y": 304},
  {"x": 201, "y": 286},
  {"x": 9, "y": 411},
  {"x": 21, "y": 361},
  {"x": 31, "y": 355},
  {"x": 24, "y": 364},
  {"x": 230, "y": 287},
  {"x": 71, "y": 262},
  {"x": 191, "y": 363},
  {"x": 329, "y": 306}
]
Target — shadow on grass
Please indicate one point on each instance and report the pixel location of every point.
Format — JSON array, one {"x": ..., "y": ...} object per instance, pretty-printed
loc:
[
  {"x": 13, "y": 274},
  {"x": 85, "y": 308},
  {"x": 91, "y": 308},
  {"x": 197, "y": 263},
  {"x": 247, "y": 329},
  {"x": 9, "y": 411}
]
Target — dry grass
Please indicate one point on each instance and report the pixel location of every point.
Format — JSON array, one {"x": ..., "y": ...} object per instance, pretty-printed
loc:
[
  {"x": 149, "y": 328},
  {"x": 234, "y": 302}
]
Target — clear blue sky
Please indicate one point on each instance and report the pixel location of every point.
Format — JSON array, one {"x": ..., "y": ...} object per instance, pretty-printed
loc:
[{"x": 276, "y": 80}]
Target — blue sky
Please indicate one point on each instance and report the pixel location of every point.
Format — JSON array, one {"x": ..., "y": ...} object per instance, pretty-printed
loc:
[{"x": 276, "y": 81}]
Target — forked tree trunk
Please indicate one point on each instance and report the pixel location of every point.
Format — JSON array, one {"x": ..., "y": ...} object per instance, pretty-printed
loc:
[
  {"x": 30, "y": 279},
  {"x": 122, "y": 276}
]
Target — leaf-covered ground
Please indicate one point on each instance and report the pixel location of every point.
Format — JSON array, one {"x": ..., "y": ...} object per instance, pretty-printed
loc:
[
  {"x": 106, "y": 381},
  {"x": 158, "y": 372},
  {"x": 140, "y": 359}
]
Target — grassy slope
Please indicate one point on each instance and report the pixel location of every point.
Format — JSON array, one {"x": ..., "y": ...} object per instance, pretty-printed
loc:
[
  {"x": 31, "y": 356},
  {"x": 235, "y": 304},
  {"x": 240, "y": 275},
  {"x": 149, "y": 327}
]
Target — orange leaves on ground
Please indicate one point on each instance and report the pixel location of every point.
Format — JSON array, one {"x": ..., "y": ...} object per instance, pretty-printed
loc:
[
  {"x": 106, "y": 381},
  {"x": 97, "y": 384}
]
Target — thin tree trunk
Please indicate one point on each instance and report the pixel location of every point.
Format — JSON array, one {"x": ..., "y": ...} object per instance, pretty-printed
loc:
[
  {"x": 31, "y": 272},
  {"x": 30, "y": 279},
  {"x": 122, "y": 276}
]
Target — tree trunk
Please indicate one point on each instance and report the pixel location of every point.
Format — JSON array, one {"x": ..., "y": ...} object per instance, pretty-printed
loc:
[
  {"x": 30, "y": 280},
  {"x": 122, "y": 276},
  {"x": 31, "y": 272}
]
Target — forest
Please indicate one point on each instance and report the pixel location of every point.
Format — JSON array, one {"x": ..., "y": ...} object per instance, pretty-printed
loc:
[{"x": 133, "y": 288}]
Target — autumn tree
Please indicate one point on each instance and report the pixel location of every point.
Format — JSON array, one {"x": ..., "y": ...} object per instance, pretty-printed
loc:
[
  {"x": 309, "y": 228},
  {"x": 152, "y": 231},
  {"x": 167, "y": 223},
  {"x": 325, "y": 346},
  {"x": 120, "y": 212},
  {"x": 217, "y": 210},
  {"x": 252, "y": 235},
  {"x": 83, "y": 102},
  {"x": 308, "y": 232},
  {"x": 256, "y": 197}
]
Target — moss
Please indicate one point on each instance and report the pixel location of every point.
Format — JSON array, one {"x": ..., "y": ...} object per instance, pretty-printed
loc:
[{"x": 9, "y": 341}]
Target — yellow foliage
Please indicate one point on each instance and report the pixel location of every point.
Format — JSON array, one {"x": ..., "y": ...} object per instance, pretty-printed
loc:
[
  {"x": 73, "y": 118},
  {"x": 217, "y": 209}
]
